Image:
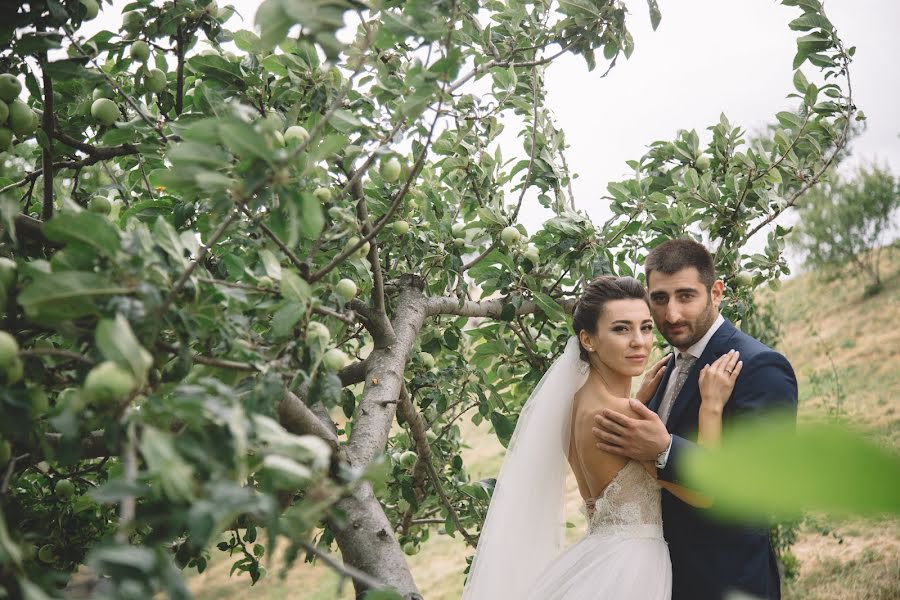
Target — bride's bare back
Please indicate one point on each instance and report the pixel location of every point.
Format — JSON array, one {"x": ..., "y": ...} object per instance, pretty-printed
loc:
[{"x": 594, "y": 469}]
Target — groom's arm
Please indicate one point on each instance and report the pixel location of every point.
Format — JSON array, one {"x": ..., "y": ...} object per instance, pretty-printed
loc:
[{"x": 776, "y": 391}]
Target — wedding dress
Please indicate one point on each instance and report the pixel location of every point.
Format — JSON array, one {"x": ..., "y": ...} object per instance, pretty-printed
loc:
[
  {"x": 623, "y": 554},
  {"x": 520, "y": 554}
]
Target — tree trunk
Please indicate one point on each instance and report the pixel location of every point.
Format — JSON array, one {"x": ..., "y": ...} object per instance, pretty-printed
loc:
[
  {"x": 366, "y": 537},
  {"x": 367, "y": 542}
]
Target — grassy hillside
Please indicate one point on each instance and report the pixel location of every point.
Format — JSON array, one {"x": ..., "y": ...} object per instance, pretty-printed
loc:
[{"x": 846, "y": 352}]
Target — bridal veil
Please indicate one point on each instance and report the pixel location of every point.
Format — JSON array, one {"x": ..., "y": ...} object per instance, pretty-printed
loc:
[{"x": 525, "y": 525}]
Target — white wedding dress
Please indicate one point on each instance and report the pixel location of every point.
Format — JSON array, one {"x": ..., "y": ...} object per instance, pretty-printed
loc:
[
  {"x": 623, "y": 554},
  {"x": 521, "y": 551}
]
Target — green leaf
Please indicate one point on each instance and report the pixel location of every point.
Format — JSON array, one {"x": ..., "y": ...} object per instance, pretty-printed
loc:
[
  {"x": 655, "y": 15},
  {"x": 243, "y": 141},
  {"x": 248, "y": 41},
  {"x": 286, "y": 317},
  {"x": 811, "y": 21},
  {"x": 175, "y": 475},
  {"x": 270, "y": 264},
  {"x": 85, "y": 227},
  {"x": 504, "y": 426},
  {"x": 553, "y": 310},
  {"x": 293, "y": 287},
  {"x": 68, "y": 295},
  {"x": 312, "y": 220},
  {"x": 117, "y": 342},
  {"x": 764, "y": 468}
]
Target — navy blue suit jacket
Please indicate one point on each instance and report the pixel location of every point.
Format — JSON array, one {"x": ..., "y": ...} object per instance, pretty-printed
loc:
[{"x": 710, "y": 558}]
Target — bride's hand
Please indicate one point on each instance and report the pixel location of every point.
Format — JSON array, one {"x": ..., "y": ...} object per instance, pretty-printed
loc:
[
  {"x": 717, "y": 380},
  {"x": 651, "y": 381}
]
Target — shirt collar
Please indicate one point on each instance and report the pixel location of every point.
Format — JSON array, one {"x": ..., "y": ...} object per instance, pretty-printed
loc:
[{"x": 697, "y": 349}]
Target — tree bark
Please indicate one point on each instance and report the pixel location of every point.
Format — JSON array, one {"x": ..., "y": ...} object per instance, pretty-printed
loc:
[{"x": 366, "y": 537}]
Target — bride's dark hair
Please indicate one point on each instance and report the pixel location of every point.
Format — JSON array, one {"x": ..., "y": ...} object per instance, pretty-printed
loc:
[{"x": 597, "y": 293}]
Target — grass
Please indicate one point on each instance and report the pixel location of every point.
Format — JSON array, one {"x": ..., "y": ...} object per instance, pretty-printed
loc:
[{"x": 846, "y": 352}]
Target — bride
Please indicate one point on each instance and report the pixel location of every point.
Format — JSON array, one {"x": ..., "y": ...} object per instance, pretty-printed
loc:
[{"x": 623, "y": 554}]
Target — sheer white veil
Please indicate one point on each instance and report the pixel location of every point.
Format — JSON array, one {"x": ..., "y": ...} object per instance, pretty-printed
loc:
[{"x": 525, "y": 525}]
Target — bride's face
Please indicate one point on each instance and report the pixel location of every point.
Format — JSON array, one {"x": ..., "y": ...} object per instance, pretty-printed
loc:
[{"x": 624, "y": 336}]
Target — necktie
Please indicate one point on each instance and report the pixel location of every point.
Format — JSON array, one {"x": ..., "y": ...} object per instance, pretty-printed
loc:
[{"x": 685, "y": 362}]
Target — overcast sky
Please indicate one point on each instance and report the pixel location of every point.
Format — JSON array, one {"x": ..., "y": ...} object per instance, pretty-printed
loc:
[{"x": 706, "y": 57}]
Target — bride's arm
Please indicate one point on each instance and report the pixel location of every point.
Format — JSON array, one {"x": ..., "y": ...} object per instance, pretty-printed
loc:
[{"x": 716, "y": 384}]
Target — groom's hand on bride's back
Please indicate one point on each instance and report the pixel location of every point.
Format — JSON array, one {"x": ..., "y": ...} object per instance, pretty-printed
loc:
[{"x": 640, "y": 438}]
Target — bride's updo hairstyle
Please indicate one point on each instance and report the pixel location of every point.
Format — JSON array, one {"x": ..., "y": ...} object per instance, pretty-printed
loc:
[{"x": 596, "y": 294}]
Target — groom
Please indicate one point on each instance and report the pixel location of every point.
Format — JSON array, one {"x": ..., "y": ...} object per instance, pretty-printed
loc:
[{"x": 709, "y": 559}]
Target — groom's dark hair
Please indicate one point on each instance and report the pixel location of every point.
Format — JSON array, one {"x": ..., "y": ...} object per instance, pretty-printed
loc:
[
  {"x": 597, "y": 293},
  {"x": 674, "y": 255}
]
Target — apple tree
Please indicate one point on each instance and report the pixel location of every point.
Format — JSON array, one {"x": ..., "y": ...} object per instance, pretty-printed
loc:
[{"x": 252, "y": 280}]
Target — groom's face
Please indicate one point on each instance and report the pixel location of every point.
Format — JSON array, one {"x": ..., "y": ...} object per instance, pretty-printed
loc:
[{"x": 682, "y": 306}]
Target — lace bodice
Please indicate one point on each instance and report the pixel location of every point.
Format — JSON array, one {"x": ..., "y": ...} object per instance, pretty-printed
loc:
[{"x": 630, "y": 505}]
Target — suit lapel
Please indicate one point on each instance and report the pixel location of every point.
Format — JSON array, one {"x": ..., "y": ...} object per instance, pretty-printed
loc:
[
  {"x": 690, "y": 392},
  {"x": 661, "y": 388}
]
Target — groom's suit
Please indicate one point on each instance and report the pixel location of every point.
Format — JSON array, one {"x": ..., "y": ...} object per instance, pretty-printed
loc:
[{"x": 708, "y": 557}]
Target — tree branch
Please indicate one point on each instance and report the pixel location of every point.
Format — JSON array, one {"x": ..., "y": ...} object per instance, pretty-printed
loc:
[
  {"x": 417, "y": 429},
  {"x": 450, "y": 305},
  {"x": 47, "y": 154}
]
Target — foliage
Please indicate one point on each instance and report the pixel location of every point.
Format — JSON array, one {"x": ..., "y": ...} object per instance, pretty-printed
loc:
[
  {"x": 844, "y": 223},
  {"x": 175, "y": 279},
  {"x": 785, "y": 471}
]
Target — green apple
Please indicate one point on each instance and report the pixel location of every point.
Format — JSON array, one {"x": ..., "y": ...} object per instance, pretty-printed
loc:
[
  {"x": 458, "y": 229},
  {"x": 6, "y": 137},
  {"x": 64, "y": 489},
  {"x": 140, "y": 51},
  {"x": 107, "y": 384},
  {"x": 317, "y": 333},
  {"x": 39, "y": 402},
  {"x": 459, "y": 242},
  {"x": 408, "y": 459},
  {"x": 279, "y": 138},
  {"x": 91, "y": 9},
  {"x": 4, "y": 111},
  {"x": 22, "y": 119},
  {"x": 390, "y": 169},
  {"x": 132, "y": 20},
  {"x": 296, "y": 134},
  {"x": 400, "y": 227},
  {"x": 5, "y": 452},
  {"x": 9, "y": 349},
  {"x": 105, "y": 111},
  {"x": 346, "y": 289},
  {"x": 743, "y": 279},
  {"x": 361, "y": 251},
  {"x": 15, "y": 371},
  {"x": 71, "y": 399},
  {"x": 8, "y": 272},
  {"x": 427, "y": 359},
  {"x": 334, "y": 359},
  {"x": 532, "y": 255},
  {"x": 322, "y": 194},
  {"x": 103, "y": 91},
  {"x": 10, "y": 87},
  {"x": 155, "y": 81},
  {"x": 510, "y": 236},
  {"x": 702, "y": 163},
  {"x": 410, "y": 548},
  {"x": 99, "y": 205},
  {"x": 47, "y": 553}
]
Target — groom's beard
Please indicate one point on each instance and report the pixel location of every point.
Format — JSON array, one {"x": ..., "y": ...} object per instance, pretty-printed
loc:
[{"x": 689, "y": 332}]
